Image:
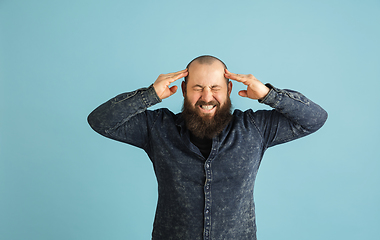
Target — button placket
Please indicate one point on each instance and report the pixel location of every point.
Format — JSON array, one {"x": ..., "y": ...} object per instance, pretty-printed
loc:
[
  {"x": 207, "y": 191},
  {"x": 207, "y": 210}
]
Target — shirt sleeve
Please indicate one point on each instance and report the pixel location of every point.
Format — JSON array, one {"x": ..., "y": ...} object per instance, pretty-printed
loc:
[
  {"x": 125, "y": 117},
  {"x": 293, "y": 116}
]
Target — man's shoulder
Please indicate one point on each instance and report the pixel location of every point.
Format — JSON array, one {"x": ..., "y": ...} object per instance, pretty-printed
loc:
[
  {"x": 166, "y": 113},
  {"x": 237, "y": 112},
  {"x": 240, "y": 113},
  {"x": 251, "y": 115},
  {"x": 166, "y": 117}
]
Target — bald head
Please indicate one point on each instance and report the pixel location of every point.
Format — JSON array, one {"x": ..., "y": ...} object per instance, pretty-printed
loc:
[{"x": 205, "y": 60}]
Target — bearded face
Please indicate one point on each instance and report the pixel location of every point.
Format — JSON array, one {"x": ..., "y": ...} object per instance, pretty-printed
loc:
[
  {"x": 207, "y": 105},
  {"x": 203, "y": 125}
]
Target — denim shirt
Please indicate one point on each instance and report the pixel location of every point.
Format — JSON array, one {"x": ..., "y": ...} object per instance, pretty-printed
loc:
[{"x": 198, "y": 198}]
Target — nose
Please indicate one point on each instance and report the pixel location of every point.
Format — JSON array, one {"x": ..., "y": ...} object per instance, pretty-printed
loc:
[{"x": 207, "y": 95}]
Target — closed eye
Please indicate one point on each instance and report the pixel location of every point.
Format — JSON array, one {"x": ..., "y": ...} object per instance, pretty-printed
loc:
[
  {"x": 198, "y": 88},
  {"x": 215, "y": 88}
]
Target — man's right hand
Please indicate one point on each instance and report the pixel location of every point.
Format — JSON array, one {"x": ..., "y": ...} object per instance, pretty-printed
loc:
[{"x": 161, "y": 85}]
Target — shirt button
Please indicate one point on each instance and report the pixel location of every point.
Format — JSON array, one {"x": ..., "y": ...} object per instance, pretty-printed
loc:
[
  {"x": 207, "y": 211},
  {"x": 207, "y": 165}
]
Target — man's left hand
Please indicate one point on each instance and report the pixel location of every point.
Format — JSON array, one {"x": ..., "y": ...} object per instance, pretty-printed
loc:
[{"x": 255, "y": 88}]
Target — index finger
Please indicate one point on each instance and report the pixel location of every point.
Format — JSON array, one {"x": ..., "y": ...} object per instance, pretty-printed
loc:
[
  {"x": 172, "y": 77},
  {"x": 234, "y": 76},
  {"x": 184, "y": 70}
]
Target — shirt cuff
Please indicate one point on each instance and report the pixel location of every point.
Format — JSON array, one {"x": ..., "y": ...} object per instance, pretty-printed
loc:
[
  {"x": 273, "y": 97},
  {"x": 149, "y": 96}
]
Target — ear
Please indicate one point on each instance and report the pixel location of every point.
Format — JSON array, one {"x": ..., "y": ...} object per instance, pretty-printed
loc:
[
  {"x": 183, "y": 86},
  {"x": 229, "y": 88}
]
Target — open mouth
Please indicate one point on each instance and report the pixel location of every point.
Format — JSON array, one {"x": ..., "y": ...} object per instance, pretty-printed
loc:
[{"x": 207, "y": 107}]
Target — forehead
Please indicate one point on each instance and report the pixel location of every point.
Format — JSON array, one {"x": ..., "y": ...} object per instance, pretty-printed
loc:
[{"x": 206, "y": 74}]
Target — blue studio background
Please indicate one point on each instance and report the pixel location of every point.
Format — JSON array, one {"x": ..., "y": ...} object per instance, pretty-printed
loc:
[{"x": 61, "y": 59}]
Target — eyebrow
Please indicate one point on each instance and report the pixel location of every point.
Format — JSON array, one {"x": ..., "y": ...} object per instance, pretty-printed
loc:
[{"x": 200, "y": 86}]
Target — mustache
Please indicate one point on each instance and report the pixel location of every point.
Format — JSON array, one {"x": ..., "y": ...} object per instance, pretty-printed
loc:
[{"x": 213, "y": 102}]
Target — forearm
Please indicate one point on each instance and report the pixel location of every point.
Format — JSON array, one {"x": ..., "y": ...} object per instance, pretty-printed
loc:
[
  {"x": 297, "y": 108},
  {"x": 118, "y": 110}
]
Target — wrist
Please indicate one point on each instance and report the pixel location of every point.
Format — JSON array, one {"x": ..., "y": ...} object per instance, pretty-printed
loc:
[
  {"x": 269, "y": 89},
  {"x": 152, "y": 95},
  {"x": 265, "y": 91}
]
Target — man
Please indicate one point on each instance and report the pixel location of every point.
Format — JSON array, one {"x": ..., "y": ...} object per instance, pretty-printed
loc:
[{"x": 205, "y": 158}]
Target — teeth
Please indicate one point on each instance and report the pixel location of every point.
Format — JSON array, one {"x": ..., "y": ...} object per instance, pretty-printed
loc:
[{"x": 207, "y": 107}]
